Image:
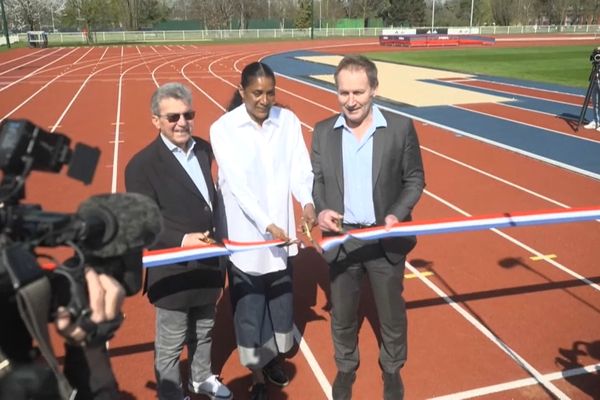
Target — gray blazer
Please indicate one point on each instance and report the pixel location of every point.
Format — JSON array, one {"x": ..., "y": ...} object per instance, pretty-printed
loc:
[{"x": 398, "y": 178}]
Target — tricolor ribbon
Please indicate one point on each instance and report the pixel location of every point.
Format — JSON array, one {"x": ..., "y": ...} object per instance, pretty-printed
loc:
[{"x": 156, "y": 258}]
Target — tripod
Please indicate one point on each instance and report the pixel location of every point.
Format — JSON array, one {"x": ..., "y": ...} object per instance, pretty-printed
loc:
[{"x": 594, "y": 85}]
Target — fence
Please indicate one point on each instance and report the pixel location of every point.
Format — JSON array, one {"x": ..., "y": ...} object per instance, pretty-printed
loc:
[
  {"x": 78, "y": 38},
  {"x": 12, "y": 38}
]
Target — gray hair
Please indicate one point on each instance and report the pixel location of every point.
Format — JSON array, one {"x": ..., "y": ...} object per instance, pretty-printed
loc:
[
  {"x": 358, "y": 62},
  {"x": 171, "y": 90}
]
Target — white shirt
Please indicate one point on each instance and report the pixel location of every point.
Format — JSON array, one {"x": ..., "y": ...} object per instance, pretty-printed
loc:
[{"x": 260, "y": 168}]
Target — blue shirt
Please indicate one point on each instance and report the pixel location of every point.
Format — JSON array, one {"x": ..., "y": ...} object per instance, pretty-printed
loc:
[
  {"x": 190, "y": 163},
  {"x": 358, "y": 170}
]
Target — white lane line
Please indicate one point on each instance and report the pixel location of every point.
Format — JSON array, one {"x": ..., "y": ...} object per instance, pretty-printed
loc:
[
  {"x": 118, "y": 123},
  {"x": 496, "y": 144},
  {"x": 36, "y": 71},
  {"x": 313, "y": 363},
  {"x": 496, "y": 178},
  {"x": 531, "y": 96},
  {"x": 490, "y": 115},
  {"x": 81, "y": 87},
  {"x": 541, "y": 379},
  {"x": 82, "y": 56},
  {"x": 47, "y": 83},
  {"x": 520, "y": 383},
  {"x": 27, "y": 63},
  {"x": 545, "y": 38},
  {"x": 12, "y": 60},
  {"x": 520, "y": 244}
]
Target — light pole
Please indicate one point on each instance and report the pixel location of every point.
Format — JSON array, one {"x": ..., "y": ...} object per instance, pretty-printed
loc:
[
  {"x": 471, "y": 21},
  {"x": 312, "y": 19},
  {"x": 432, "y": 15},
  {"x": 52, "y": 18},
  {"x": 320, "y": 15}
]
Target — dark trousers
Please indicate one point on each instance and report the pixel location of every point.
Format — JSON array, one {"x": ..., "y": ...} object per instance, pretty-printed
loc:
[
  {"x": 356, "y": 259},
  {"x": 263, "y": 310}
]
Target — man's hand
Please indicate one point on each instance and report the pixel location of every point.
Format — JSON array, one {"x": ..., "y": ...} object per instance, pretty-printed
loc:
[
  {"x": 390, "y": 220},
  {"x": 197, "y": 239},
  {"x": 330, "y": 221},
  {"x": 106, "y": 297}
]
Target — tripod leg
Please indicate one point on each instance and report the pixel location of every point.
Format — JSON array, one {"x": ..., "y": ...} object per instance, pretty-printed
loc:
[{"x": 588, "y": 94}]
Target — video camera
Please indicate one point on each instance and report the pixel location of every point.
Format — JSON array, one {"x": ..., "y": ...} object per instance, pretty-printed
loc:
[
  {"x": 108, "y": 232},
  {"x": 595, "y": 56}
]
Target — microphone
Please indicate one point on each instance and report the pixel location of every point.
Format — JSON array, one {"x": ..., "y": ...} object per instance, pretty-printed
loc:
[{"x": 117, "y": 229}]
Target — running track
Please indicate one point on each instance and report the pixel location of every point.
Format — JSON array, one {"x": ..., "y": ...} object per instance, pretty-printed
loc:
[{"x": 492, "y": 314}]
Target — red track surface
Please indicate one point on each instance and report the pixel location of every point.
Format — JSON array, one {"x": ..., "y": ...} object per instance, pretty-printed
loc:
[{"x": 543, "y": 310}]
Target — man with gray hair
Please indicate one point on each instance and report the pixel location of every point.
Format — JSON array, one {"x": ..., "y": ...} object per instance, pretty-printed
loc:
[{"x": 174, "y": 170}]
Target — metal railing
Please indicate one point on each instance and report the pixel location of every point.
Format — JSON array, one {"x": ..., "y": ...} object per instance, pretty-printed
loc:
[{"x": 78, "y": 38}]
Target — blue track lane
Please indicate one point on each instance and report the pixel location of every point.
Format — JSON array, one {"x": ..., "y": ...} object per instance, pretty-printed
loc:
[
  {"x": 525, "y": 102},
  {"x": 571, "y": 152},
  {"x": 556, "y": 148}
]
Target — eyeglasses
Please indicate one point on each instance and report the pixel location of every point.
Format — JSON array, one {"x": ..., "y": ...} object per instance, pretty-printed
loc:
[{"x": 174, "y": 117}]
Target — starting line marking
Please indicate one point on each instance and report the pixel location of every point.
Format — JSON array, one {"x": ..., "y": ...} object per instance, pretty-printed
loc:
[
  {"x": 543, "y": 257},
  {"x": 536, "y": 376},
  {"x": 519, "y": 383},
  {"x": 412, "y": 276}
]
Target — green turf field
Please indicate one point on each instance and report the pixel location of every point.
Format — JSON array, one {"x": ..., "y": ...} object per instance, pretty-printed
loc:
[{"x": 564, "y": 65}]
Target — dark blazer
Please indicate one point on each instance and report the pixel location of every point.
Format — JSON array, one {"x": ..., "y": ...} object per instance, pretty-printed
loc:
[
  {"x": 398, "y": 178},
  {"x": 155, "y": 172}
]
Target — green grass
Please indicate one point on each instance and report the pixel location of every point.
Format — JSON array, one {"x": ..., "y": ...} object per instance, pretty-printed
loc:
[
  {"x": 563, "y": 65},
  {"x": 13, "y": 46}
]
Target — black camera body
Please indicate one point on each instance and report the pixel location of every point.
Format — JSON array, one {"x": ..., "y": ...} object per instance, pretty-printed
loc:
[
  {"x": 25, "y": 147},
  {"x": 595, "y": 56},
  {"x": 108, "y": 233}
]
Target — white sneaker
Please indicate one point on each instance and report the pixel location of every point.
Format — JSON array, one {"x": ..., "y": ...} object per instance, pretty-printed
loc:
[
  {"x": 591, "y": 125},
  {"x": 211, "y": 387}
]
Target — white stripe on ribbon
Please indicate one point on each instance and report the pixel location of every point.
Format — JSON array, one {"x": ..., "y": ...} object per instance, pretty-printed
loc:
[{"x": 156, "y": 258}]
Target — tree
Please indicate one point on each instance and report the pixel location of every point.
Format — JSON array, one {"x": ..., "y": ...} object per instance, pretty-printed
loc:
[
  {"x": 150, "y": 12},
  {"x": 304, "y": 17},
  {"x": 214, "y": 14},
  {"x": 285, "y": 9},
  {"x": 503, "y": 11},
  {"x": 364, "y": 9},
  {"x": 24, "y": 14},
  {"x": 404, "y": 13},
  {"x": 90, "y": 14},
  {"x": 588, "y": 12}
]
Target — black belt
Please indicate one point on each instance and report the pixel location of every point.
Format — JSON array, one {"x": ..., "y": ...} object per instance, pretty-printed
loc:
[{"x": 356, "y": 226}]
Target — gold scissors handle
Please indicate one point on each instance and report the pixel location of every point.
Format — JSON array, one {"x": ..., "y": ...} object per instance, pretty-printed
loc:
[{"x": 306, "y": 231}]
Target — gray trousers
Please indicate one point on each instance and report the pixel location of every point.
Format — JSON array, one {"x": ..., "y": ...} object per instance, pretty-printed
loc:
[
  {"x": 356, "y": 260},
  {"x": 174, "y": 328}
]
